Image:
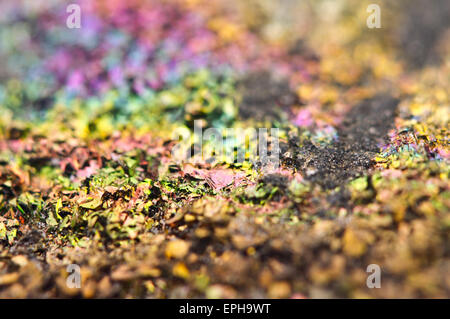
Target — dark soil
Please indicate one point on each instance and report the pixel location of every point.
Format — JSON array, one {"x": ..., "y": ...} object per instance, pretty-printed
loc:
[
  {"x": 264, "y": 96},
  {"x": 424, "y": 24},
  {"x": 360, "y": 135}
]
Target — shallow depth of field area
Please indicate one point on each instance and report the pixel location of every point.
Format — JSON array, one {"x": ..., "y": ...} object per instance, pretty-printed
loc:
[{"x": 93, "y": 171}]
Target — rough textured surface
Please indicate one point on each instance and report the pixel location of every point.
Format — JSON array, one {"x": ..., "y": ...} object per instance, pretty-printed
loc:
[
  {"x": 93, "y": 171},
  {"x": 360, "y": 136}
]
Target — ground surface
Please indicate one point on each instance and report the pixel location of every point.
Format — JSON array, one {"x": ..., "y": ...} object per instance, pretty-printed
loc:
[{"x": 92, "y": 173}]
